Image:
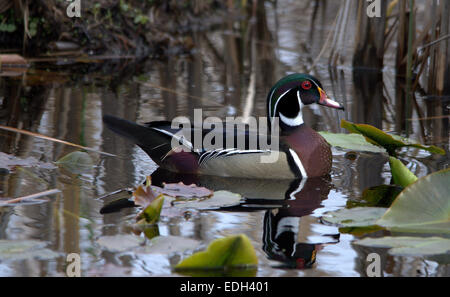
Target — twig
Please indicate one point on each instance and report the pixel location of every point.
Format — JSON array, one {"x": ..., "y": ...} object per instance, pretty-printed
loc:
[
  {"x": 434, "y": 42},
  {"x": 16, "y": 130},
  {"x": 32, "y": 196}
]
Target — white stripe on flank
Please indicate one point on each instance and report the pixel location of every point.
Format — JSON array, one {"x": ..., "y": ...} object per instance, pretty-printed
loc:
[
  {"x": 299, "y": 189},
  {"x": 299, "y": 164}
]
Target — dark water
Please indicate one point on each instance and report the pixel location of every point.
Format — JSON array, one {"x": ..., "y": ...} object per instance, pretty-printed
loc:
[{"x": 241, "y": 57}]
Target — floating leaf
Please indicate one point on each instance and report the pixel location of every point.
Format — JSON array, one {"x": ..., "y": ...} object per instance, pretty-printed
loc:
[
  {"x": 25, "y": 249},
  {"x": 166, "y": 245},
  {"x": 10, "y": 161},
  {"x": 228, "y": 252},
  {"x": 379, "y": 196},
  {"x": 355, "y": 217},
  {"x": 76, "y": 162},
  {"x": 422, "y": 207},
  {"x": 355, "y": 142},
  {"x": 182, "y": 190},
  {"x": 401, "y": 175},
  {"x": 218, "y": 200},
  {"x": 389, "y": 142},
  {"x": 120, "y": 242},
  {"x": 409, "y": 246}
]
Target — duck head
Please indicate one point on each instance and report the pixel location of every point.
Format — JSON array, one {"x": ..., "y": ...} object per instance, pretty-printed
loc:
[{"x": 289, "y": 95}]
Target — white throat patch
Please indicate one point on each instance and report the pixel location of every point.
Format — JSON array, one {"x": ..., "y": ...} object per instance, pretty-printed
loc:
[{"x": 298, "y": 120}]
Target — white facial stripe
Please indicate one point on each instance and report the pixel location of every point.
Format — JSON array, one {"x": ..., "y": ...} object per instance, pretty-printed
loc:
[
  {"x": 299, "y": 164},
  {"x": 276, "y": 104},
  {"x": 298, "y": 120}
]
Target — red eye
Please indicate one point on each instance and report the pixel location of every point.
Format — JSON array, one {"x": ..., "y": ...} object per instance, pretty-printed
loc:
[{"x": 306, "y": 85}]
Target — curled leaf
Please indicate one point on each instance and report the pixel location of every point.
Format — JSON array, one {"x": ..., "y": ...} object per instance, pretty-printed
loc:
[
  {"x": 144, "y": 195},
  {"x": 401, "y": 175},
  {"x": 152, "y": 212},
  {"x": 228, "y": 252},
  {"x": 152, "y": 203},
  {"x": 389, "y": 142}
]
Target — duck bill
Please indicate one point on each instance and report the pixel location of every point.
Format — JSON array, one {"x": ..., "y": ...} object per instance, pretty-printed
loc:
[{"x": 325, "y": 101}]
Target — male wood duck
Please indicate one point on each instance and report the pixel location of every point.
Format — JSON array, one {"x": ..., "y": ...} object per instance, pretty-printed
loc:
[{"x": 302, "y": 151}]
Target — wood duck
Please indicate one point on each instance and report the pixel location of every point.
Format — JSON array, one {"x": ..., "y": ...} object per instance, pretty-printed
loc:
[{"x": 302, "y": 151}]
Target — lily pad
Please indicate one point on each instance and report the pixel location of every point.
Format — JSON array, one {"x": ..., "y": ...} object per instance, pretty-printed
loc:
[
  {"x": 389, "y": 142},
  {"x": 354, "y": 142},
  {"x": 120, "y": 242},
  {"x": 422, "y": 207},
  {"x": 182, "y": 190},
  {"x": 409, "y": 246},
  {"x": 166, "y": 245},
  {"x": 218, "y": 200},
  {"x": 228, "y": 252},
  {"x": 354, "y": 217},
  {"x": 25, "y": 249},
  {"x": 401, "y": 175},
  {"x": 76, "y": 162},
  {"x": 8, "y": 162}
]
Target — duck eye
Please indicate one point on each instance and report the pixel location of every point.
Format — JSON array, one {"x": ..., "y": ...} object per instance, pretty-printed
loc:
[{"x": 306, "y": 85}]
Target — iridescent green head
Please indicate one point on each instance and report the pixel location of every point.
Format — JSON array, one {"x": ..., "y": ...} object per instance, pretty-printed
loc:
[{"x": 288, "y": 96}]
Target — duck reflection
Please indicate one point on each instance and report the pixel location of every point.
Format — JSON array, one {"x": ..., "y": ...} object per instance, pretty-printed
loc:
[
  {"x": 286, "y": 202},
  {"x": 282, "y": 235},
  {"x": 287, "y": 205}
]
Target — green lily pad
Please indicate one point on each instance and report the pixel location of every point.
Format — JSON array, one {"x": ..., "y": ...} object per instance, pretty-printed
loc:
[
  {"x": 228, "y": 252},
  {"x": 409, "y": 246},
  {"x": 25, "y": 249},
  {"x": 389, "y": 142},
  {"x": 401, "y": 175},
  {"x": 354, "y": 217},
  {"x": 422, "y": 207},
  {"x": 217, "y": 200},
  {"x": 76, "y": 162},
  {"x": 354, "y": 142}
]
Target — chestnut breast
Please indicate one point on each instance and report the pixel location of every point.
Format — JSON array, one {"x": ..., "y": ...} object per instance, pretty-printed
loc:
[{"x": 312, "y": 149}]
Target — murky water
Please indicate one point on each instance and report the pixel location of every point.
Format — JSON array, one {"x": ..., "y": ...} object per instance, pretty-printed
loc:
[{"x": 68, "y": 103}]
